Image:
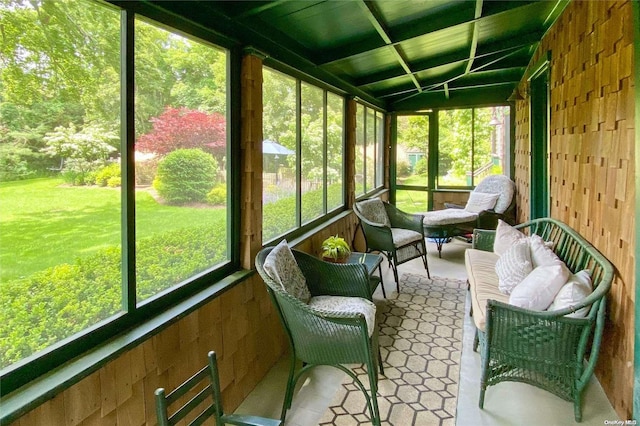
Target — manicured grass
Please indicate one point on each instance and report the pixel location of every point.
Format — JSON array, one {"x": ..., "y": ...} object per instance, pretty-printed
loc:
[{"x": 44, "y": 223}]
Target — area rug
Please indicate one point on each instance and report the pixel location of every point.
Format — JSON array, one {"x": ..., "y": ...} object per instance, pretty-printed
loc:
[{"x": 420, "y": 342}]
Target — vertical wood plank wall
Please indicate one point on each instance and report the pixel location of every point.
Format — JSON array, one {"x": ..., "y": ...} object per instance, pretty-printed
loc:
[{"x": 591, "y": 160}]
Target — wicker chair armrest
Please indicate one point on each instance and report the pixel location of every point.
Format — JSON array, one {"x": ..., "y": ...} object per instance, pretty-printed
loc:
[
  {"x": 403, "y": 220},
  {"x": 336, "y": 279},
  {"x": 483, "y": 239}
]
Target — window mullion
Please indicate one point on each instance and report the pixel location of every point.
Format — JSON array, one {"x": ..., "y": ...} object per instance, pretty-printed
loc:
[{"x": 127, "y": 161}]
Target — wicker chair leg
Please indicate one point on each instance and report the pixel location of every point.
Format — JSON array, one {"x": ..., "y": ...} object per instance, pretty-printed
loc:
[
  {"x": 424, "y": 259},
  {"x": 577, "y": 404},
  {"x": 288, "y": 396},
  {"x": 373, "y": 386},
  {"x": 476, "y": 341}
]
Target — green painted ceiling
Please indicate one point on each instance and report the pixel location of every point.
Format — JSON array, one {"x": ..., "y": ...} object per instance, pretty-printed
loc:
[{"x": 399, "y": 54}]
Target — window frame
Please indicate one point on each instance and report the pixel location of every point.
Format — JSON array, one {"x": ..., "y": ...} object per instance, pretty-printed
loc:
[
  {"x": 132, "y": 314},
  {"x": 378, "y": 148},
  {"x": 300, "y": 78}
]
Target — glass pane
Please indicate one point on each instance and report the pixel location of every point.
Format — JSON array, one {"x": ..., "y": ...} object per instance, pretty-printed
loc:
[
  {"x": 278, "y": 154},
  {"x": 412, "y": 150},
  {"x": 412, "y": 201},
  {"x": 359, "y": 152},
  {"x": 60, "y": 205},
  {"x": 455, "y": 147},
  {"x": 380, "y": 150},
  {"x": 335, "y": 137},
  {"x": 370, "y": 161},
  {"x": 313, "y": 152},
  {"x": 488, "y": 153},
  {"x": 181, "y": 158}
]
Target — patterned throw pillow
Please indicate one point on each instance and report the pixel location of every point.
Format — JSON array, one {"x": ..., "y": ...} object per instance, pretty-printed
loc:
[
  {"x": 514, "y": 266},
  {"x": 282, "y": 267},
  {"x": 374, "y": 211},
  {"x": 506, "y": 236},
  {"x": 347, "y": 304}
]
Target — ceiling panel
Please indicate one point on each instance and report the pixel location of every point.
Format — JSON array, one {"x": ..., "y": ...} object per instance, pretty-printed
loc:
[{"x": 393, "y": 53}]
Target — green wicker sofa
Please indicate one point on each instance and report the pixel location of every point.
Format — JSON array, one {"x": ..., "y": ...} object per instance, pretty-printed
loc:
[{"x": 542, "y": 348}]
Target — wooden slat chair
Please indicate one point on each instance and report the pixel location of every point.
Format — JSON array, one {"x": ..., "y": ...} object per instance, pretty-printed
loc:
[{"x": 206, "y": 404}]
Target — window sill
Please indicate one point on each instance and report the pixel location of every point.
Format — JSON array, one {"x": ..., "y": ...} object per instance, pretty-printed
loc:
[{"x": 46, "y": 387}]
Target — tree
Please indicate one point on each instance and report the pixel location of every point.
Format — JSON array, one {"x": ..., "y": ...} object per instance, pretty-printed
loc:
[
  {"x": 82, "y": 150},
  {"x": 185, "y": 128}
]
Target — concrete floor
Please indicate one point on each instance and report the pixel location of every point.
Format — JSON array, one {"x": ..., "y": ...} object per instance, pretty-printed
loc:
[{"x": 505, "y": 404}]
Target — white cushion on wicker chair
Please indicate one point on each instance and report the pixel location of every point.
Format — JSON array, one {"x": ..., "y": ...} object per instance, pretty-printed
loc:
[
  {"x": 498, "y": 184},
  {"x": 373, "y": 210},
  {"x": 402, "y": 237},
  {"x": 448, "y": 217},
  {"x": 347, "y": 304},
  {"x": 282, "y": 267},
  {"x": 481, "y": 201}
]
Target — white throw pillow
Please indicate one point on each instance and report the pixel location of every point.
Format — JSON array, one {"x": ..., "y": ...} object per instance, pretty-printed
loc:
[
  {"x": 541, "y": 253},
  {"x": 480, "y": 201},
  {"x": 577, "y": 288},
  {"x": 540, "y": 287},
  {"x": 514, "y": 266},
  {"x": 506, "y": 236},
  {"x": 282, "y": 267}
]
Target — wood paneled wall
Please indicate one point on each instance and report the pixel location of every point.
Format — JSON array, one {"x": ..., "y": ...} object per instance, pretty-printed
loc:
[{"x": 591, "y": 160}]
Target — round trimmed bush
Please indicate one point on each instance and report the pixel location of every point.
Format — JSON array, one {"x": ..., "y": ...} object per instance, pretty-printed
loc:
[{"x": 185, "y": 176}]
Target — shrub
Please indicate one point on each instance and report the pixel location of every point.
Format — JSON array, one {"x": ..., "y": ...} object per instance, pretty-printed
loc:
[
  {"x": 403, "y": 169},
  {"x": 60, "y": 301},
  {"x": 114, "y": 181},
  {"x": 218, "y": 195},
  {"x": 421, "y": 166},
  {"x": 107, "y": 173},
  {"x": 146, "y": 170},
  {"x": 186, "y": 175}
]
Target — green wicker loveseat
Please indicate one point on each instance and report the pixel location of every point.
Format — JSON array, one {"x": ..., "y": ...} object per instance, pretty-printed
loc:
[{"x": 547, "y": 349}]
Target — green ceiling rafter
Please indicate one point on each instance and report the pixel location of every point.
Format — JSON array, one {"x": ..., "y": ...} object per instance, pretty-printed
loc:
[
  {"x": 376, "y": 20},
  {"x": 475, "y": 34}
]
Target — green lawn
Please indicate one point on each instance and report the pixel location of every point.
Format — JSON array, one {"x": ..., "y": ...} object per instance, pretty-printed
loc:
[{"x": 44, "y": 223}]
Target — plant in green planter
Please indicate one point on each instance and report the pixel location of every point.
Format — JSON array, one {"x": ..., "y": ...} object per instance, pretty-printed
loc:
[{"x": 335, "y": 249}]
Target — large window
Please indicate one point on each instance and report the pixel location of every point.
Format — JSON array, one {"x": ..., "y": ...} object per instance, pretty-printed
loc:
[
  {"x": 84, "y": 248},
  {"x": 302, "y": 153},
  {"x": 369, "y": 162},
  {"x": 471, "y": 145}
]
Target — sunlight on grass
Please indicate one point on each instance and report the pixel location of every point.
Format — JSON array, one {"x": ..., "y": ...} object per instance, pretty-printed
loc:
[{"x": 46, "y": 223}]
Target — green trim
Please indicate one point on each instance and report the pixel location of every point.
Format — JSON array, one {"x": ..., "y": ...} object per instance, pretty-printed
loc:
[
  {"x": 539, "y": 136},
  {"x": 636, "y": 51},
  {"x": 432, "y": 161},
  {"x": 393, "y": 158},
  {"x": 47, "y": 386}
]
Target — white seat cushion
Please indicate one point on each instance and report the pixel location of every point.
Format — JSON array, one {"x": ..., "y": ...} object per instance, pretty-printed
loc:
[
  {"x": 403, "y": 237},
  {"x": 282, "y": 267},
  {"x": 448, "y": 217},
  {"x": 330, "y": 304},
  {"x": 482, "y": 279}
]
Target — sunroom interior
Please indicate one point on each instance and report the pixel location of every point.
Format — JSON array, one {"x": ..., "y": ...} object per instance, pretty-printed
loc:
[{"x": 295, "y": 110}]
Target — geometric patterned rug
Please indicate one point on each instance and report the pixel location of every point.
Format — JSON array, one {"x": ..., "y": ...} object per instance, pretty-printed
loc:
[{"x": 420, "y": 343}]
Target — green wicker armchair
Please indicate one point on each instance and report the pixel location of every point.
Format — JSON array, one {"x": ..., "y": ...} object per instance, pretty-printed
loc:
[
  {"x": 399, "y": 236},
  {"x": 545, "y": 348},
  {"x": 326, "y": 336}
]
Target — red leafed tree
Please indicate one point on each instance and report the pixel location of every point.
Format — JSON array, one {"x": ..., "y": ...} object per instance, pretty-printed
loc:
[{"x": 179, "y": 128}]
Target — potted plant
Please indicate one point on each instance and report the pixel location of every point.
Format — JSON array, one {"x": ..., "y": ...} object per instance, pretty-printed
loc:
[{"x": 335, "y": 249}]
